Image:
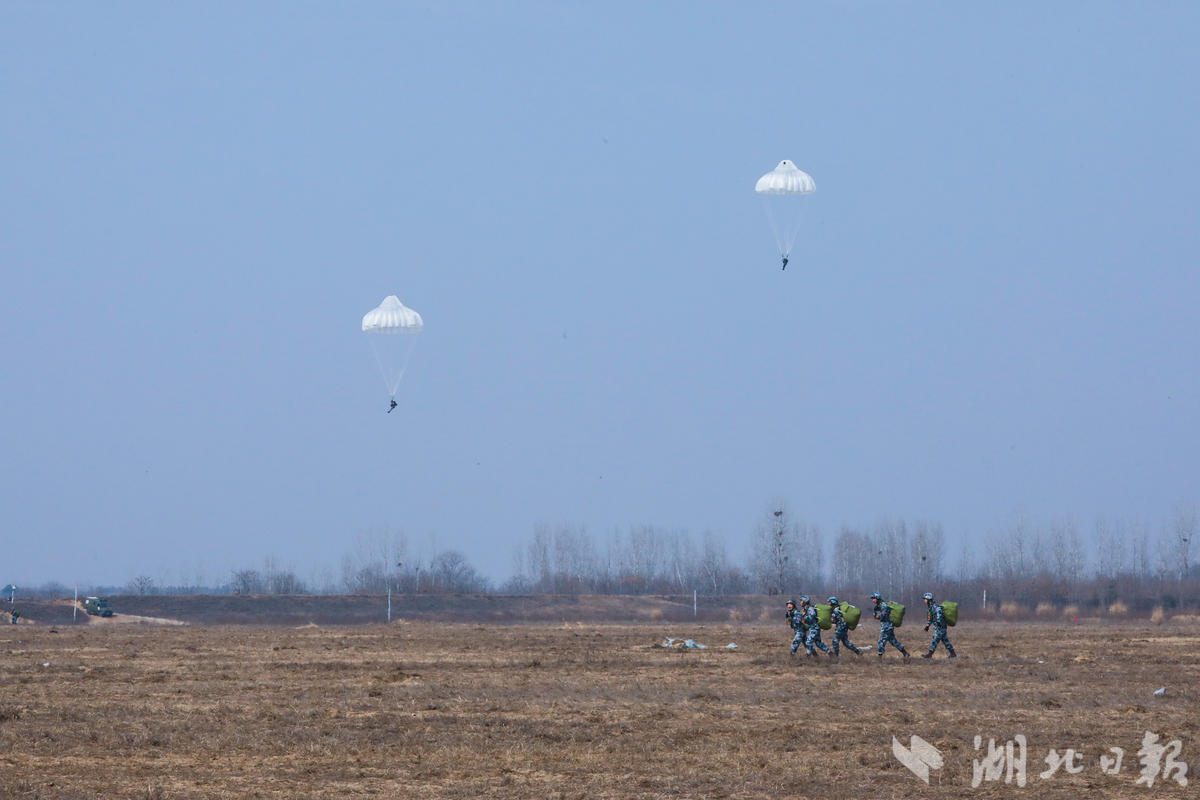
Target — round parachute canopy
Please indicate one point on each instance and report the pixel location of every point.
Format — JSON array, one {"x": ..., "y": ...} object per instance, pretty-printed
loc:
[
  {"x": 392, "y": 328},
  {"x": 786, "y": 179},
  {"x": 391, "y": 317},
  {"x": 783, "y": 191}
]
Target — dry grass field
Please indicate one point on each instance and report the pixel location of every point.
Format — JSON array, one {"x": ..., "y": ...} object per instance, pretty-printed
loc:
[{"x": 438, "y": 710}]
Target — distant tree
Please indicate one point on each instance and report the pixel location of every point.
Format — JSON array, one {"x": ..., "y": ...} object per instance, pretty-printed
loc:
[
  {"x": 379, "y": 562},
  {"x": 851, "y": 560},
  {"x": 48, "y": 590},
  {"x": 364, "y": 578},
  {"x": 777, "y": 552},
  {"x": 284, "y": 582},
  {"x": 247, "y": 581},
  {"x": 1184, "y": 526},
  {"x": 893, "y": 566},
  {"x": 540, "y": 559},
  {"x": 713, "y": 567},
  {"x": 278, "y": 580},
  {"x": 449, "y": 571},
  {"x": 927, "y": 550},
  {"x": 1111, "y": 545},
  {"x": 141, "y": 585},
  {"x": 1067, "y": 552}
]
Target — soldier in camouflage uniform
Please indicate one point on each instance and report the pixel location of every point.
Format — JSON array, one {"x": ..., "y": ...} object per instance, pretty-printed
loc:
[
  {"x": 887, "y": 631},
  {"x": 812, "y": 639},
  {"x": 935, "y": 615},
  {"x": 796, "y": 622},
  {"x": 842, "y": 630}
]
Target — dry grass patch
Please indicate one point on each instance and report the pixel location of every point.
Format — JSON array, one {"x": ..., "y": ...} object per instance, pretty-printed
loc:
[
  {"x": 428, "y": 710},
  {"x": 1011, "y": 610}
]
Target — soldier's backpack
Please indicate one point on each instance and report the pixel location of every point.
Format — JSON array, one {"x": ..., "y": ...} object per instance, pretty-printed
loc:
[
  {"x": 950, "y": 609},
  {"x": 897, "y": 613},
  {"x": 852, "y": 615},
  {"x": 824, "y": 616}
]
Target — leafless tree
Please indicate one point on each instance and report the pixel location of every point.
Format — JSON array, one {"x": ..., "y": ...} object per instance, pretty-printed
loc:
[
  {"x": 1110, "y": 543},
  {"x": 783, "y": 553},
  {"x": 928, "y": 549},
  {"x": 142, "y": 585},
  {"x": 247, "y": 581},
  {"x": 714, "y": 565},
  {"x": 449, "y": 571},
  {"x": 380, "y": 562},
  {"x": 850, "y": 559},
  {"x": 1184, "y": 527}
]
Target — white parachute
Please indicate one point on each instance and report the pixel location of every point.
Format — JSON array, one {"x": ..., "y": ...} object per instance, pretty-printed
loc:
[
  {"x": 783, "y": 190},
  {"x": 392, "y": 329}
]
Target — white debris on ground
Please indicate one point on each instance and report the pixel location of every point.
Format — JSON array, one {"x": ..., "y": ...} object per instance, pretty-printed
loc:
[
  {"x": 1161, "y": 692},
  {"x": 683, "y": 644},
  {"x": 731, "y": 646}
]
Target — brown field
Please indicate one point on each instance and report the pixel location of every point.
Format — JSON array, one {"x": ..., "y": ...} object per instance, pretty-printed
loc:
[{"x": 568, "y": 710}]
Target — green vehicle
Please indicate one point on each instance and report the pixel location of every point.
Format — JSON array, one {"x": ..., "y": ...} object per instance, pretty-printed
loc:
[{"x": 97, "y": 607}]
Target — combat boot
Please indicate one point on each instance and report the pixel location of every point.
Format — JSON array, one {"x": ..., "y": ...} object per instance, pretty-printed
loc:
[{"x": 928, "y": 655}]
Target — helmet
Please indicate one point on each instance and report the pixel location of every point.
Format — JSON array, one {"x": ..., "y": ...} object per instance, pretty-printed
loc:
[
  {"x": 790, "y": 603},
  {"x": 876, "y": 596},
  {"x": 833, "y": 601},
  {"x": 803, "y": 599},
  {"x": 929, "y": 597}
]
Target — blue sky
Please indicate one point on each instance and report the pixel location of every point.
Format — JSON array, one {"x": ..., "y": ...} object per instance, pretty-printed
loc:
[{"x": 991, "y": 309}]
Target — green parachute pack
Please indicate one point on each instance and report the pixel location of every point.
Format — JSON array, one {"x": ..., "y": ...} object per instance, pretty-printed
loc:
[
  {"x": 824, "y": 615},
  {"x": 897, "y": 614},
  {"x": 950, "y": 609},
  {"x": 851, "y": 613}
]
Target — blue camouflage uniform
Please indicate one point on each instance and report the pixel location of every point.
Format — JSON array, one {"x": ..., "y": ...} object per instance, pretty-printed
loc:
[
  {"x": 812, "y": 638},
  {"x": 842, "y": 632},
  {"x": 796, "y": 621},
  {"x": 936, "y": 617},
  {"x": 887, "y": 631}
]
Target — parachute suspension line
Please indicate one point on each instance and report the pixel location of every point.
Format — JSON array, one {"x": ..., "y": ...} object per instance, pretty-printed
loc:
[
  {"x": 768, "y": 207},
  {"x": 783, "y": 190},
  {"x": 392, "y": 330},
  {"x": 387, "y": 379}
]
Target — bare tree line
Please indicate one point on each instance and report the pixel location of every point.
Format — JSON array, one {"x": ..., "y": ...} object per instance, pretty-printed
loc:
[
  {"x": 1028, "y": 564},
  {"x": 1057, "y": 563}
]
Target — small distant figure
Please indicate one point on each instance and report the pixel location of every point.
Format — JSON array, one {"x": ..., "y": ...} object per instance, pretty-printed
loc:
[
  {"x": 812, "y": 638},
  {"x": 936, "y": 616},
  {"x": 887, "y": 631},
  {"x": 15, "y": 613},
  {"x": 795, "y": 621},
  {"x": 392, "y": 407},
  {"x": 785, "y": 260},
  {"x": 842, "y": 632}
]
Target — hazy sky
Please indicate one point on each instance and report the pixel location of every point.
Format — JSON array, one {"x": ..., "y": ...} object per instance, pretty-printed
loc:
[{"x": 992, "y": 309}]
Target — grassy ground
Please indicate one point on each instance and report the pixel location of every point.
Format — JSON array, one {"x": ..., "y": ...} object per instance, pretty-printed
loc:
[{"x": 436, "y": 710}]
